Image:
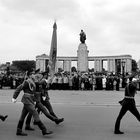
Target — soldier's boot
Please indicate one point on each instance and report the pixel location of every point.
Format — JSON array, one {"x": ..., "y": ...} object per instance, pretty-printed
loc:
[
  {"x": 3, "y": 118},
  {"x": 118, "y": 132},
  {"x": 117, "y": 128},
  {"x": 59, "y": 120},
  {"x": 52, "y": 118},
  {"x": 56, "y": 119},
  {"x": 19, "y": 129},
  {"x": 43, "y": 128},
  {"x": 46, "y": 113}
]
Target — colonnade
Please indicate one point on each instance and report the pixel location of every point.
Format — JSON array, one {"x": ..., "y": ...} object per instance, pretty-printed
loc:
[{"x": 113, "y": 62}]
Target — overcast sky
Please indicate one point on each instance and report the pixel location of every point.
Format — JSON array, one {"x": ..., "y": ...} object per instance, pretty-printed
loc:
[{"x": 112, "y": 27}]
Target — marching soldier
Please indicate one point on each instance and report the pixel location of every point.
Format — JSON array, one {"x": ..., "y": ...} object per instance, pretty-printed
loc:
[
  {"x": 128, "y": 104},
  {"x": 28, "y": 86},
  {"x": 42, "y": 101},
  {"x": 45, "y": 99}
]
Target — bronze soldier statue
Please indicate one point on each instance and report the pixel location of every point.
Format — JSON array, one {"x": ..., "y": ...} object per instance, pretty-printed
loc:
[{"x": 82, "y": 36}]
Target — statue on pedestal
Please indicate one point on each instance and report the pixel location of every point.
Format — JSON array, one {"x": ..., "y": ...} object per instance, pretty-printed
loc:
[{"x": 82, "y": 36}]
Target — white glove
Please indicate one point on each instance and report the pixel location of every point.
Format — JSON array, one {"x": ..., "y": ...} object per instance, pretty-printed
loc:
[
  {"x": 14, "y": 100},
  {"x": 44, "y": 98}
]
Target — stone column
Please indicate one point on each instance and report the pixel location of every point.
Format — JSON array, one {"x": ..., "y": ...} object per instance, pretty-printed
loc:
[
  {"x": 67, "y": 65},
  {"x": 128, "y": 65},
  {"x": 95, "y": 65},
  {"x": 113, "y": 66},
  {"x": 100, "y": 65},
  {"x": 108, "y": 65},
  {"x": 82, "y": 54},
  {"x": 37, "y": 64},
  {"x": 42, "y": 64}
]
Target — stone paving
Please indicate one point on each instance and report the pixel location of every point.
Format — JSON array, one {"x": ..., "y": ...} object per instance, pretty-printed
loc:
[
  {"x": 89, "y": 115},
  {"x": 96, "y": 98}
]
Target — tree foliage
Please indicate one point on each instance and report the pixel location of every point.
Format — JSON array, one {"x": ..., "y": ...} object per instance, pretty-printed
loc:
[
  {"x": 24, "y": 65},
  {"x": 134, "y": 65}
]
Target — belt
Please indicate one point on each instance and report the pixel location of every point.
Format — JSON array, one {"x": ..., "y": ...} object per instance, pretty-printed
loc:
[
  {"x": 128, "y": 97},
  {"x": 28, "y": 94}
]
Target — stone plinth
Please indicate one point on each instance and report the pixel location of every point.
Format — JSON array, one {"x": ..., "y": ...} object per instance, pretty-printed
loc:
[{"x": 82, "y": 54}]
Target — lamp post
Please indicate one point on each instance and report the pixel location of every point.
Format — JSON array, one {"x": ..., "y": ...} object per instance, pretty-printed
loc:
[
  {"x": 123, "y": 73},
  {"x": 8, "y": 68}
]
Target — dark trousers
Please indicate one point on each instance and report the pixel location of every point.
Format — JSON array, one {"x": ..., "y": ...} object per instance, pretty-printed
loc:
[
  {"x": 30, "y": 108},
  {"x": 42, "y": 107},
  {"x": 127, "y": 105},
  {"x": 48, "y": 105}
]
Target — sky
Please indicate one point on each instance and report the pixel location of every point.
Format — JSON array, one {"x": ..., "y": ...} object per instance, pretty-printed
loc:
[{"x": 112, "y": 27}]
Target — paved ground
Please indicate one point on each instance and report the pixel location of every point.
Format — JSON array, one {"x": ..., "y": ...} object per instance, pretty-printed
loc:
[{"x": 89, "y": 115}]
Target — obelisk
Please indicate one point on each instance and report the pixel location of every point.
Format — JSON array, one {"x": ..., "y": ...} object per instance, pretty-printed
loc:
[{"x": 82, "y": 54}]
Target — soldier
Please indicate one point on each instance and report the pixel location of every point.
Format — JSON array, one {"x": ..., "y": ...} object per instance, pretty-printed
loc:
[
  {"x": 128, "y": 104},
  {"x": 45, "y": 99},
  {"x": 42, "y": 101},
  {"x": 28, "y": 86}
]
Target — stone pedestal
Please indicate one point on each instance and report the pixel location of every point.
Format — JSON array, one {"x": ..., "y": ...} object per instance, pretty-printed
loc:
[{"x": 82, "y": 54}]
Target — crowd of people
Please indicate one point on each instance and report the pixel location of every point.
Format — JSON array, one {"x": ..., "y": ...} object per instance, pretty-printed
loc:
[
  {"x": 85, "y": 81},
  {"x": 11, "y": 80},
  {"x": 73, "y": 81}
]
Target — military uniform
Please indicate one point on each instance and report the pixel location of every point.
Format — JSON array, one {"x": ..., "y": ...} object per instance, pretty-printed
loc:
[
  {"x": 28, "y": 100},
  {"x": 41, "y": 105},
  {"x": 128, "y": 104},
  {"x": 45, "y": 99}
]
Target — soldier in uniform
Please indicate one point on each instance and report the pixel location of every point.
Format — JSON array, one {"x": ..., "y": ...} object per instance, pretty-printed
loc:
[
  {"x": 28, "y": 86},
  {"x": 42, "y": 101},
  {"x": 128, "y": 104},
  {"x": 45, "y": 99}
]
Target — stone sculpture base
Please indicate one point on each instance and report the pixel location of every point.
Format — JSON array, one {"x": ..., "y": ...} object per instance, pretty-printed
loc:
[{"x": 82, "y": 54}]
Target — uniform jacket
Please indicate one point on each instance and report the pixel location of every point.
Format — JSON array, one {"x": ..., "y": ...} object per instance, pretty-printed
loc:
[{"x": 28, "y": 88}]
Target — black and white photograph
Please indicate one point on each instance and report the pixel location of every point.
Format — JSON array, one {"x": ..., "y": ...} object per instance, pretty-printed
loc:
[{"x": 70, "y": 69}]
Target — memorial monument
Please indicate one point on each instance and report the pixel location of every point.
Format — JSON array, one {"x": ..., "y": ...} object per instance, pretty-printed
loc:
[
  {"x": 82, "y": 54},
  {"x": 114, "y": 63}
]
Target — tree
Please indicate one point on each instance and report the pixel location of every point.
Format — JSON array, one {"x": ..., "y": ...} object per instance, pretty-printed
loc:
[
  {"x": 134, "y": 65},
  {"x": 24, "y": 65}
]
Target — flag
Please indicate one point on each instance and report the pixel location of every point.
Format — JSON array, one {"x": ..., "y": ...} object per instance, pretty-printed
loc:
[{"x": 53, "y": 51}]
